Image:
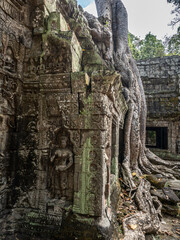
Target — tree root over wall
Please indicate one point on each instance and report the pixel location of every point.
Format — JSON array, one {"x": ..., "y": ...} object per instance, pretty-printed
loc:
[{"x": 137, "y": 158}]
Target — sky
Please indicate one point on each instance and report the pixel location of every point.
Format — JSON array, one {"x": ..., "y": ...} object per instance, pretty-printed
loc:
[
  {"x": 144, "y": 16},
  {"x": 84, "y": 3}
]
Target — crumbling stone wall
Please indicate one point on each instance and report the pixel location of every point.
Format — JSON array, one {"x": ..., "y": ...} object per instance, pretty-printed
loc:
[
  {"x": 61, "y": 111},
  {"x": 161, "y": 80}
]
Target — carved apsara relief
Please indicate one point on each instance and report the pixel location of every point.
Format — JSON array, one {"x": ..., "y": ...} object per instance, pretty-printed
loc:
[
  {"x": 61, "y": 167},
  {"x": 9, "y": 61}
]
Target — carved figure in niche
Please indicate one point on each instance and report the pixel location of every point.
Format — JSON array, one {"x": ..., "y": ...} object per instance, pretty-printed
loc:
[
  {"x": 62, "y": 172},
  {"x": 9, "y": 89},
  {"x": 31, "y": 139},
  {"x": 41, "y": 69},
  {"x": 32, "y": 68},
  {"x": 9, "y": 62}
]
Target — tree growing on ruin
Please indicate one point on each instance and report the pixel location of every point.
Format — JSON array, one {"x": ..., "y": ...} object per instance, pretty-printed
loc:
[{"x": 137, "y": 158}]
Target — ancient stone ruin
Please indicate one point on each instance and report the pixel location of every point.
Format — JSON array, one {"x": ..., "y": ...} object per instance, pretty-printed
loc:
[
  {"x": 161, "y": 80},
  {"x": 72, "y": 119},
  {"x": 59, "y": 126}
]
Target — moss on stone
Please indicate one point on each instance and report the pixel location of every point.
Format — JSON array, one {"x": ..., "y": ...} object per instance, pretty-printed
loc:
[
  {"x": 81, "y": 205},
  {"x": 87, "y": 111}
]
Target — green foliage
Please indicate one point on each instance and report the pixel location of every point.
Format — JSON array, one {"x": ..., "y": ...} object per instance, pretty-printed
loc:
[
  {"x": 135, "y": 44},
  {"x": 147, "y": 48},
  {"x": 152, "y": 47},
  {"x": 173, "y": 44}
]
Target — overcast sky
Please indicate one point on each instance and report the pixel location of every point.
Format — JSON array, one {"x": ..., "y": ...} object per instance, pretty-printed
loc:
[{"x": 144, "y": 16}]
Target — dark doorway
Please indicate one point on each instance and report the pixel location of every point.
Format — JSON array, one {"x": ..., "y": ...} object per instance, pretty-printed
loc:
[{"x": 157, "y": 137}]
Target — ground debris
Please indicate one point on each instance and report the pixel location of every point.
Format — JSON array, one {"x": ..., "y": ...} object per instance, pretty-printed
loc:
[
  {"x": 170, "y": 226},
  {"x": 126, "y": 206},
  {"x": 132, "y": 226}
]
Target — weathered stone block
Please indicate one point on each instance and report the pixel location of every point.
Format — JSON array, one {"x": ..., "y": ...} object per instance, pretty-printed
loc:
[
  {"x": 80, "y": 82},
  {"x": 161, "y": 83}
]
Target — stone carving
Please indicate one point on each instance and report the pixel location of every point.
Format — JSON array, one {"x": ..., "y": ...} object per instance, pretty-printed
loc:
[
  {"x": 54, "y": 118},
  {"x": 11, "y": 9},
  {"x": 9, "y": 91},
  {"x": 31, "y": 139},
  {"x": 31, "y": 67},
  {"x": 38, "y": 19},
  {"x": 62, "y": 161},
  {"x": 30, "y": 108},
  {"x": 25, "y": 200},
  {"x": 57, "y": 62},
  {"x": 9, "y": 61}
]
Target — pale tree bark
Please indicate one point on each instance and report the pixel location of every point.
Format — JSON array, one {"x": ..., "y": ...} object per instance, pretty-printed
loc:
[{"x": 137, "y": 158}]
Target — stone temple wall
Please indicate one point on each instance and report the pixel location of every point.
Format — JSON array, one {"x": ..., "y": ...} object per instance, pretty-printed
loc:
[
  {"x": 61, "y": 112},
  {"x": 161, "y": 80}
]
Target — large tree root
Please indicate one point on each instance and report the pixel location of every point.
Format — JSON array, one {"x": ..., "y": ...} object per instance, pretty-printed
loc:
[
  {"x": 156, "y": 160},
  {"x": 147, "y": 220},
  {"x": 126, "y": 171},
  {"x": 138, "y": 161}
]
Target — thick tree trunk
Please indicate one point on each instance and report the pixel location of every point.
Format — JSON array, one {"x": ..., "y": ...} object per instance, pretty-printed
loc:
[{"x": 136, "y": 157}]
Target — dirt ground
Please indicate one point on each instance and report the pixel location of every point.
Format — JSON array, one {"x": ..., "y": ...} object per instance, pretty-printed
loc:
[
  {"x": 170, "y": 229},
  {"x": 170, "y": 225}
]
